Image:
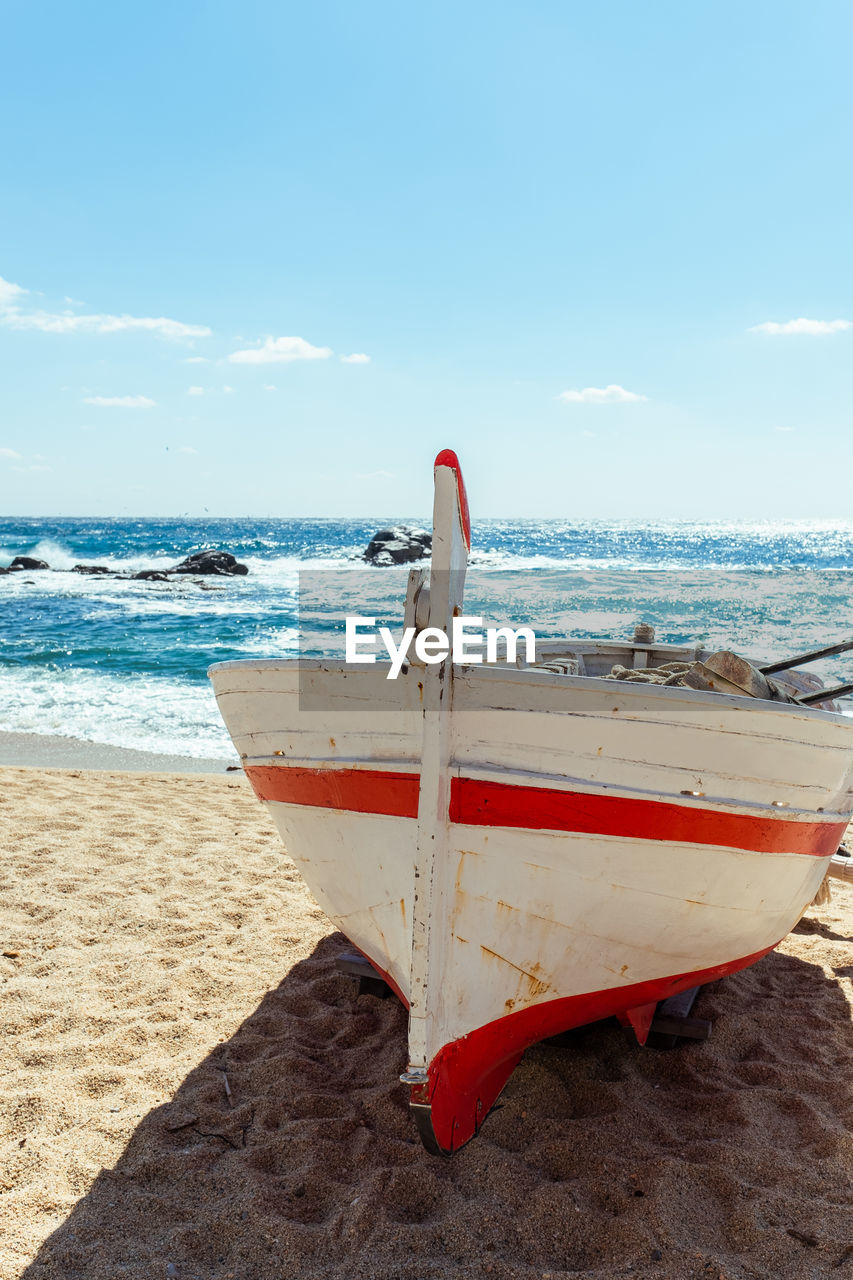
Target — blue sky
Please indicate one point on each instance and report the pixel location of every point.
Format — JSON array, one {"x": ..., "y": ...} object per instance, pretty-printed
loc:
[{"x": 555, "y": 230}]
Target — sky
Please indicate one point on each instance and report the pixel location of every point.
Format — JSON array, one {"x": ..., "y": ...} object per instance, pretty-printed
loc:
[{"x": 267, "y": 258}]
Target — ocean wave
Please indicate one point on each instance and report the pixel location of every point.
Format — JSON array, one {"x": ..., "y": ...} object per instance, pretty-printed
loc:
[
  {"x": 190, "y": 606},
  {"x": 59, "y": 557},
  {"x": 46, "y": 549},
  {"x": 145, "y": 713}
]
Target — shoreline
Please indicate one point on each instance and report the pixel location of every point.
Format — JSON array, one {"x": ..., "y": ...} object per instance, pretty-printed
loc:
[{"x": 54, "y": 751}]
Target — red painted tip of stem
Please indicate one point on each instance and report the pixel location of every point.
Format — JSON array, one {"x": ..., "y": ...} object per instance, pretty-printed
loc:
[{"x": 447, "y": 458}]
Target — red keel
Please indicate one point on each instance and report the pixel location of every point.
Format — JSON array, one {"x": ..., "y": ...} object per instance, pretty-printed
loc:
[{"x": 466, "y": 1076}]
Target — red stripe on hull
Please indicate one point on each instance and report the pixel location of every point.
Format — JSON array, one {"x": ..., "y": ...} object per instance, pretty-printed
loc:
[
  {"x": 493, "y": 804},
  {"x": 466, "y": 1076},
  {"x": 500, "y": 804},
  {"x": 358, "y": 790}
]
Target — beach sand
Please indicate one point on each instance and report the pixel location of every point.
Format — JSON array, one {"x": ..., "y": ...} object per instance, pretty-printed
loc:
[
  {"x": 158, "y": 942},
  {"x": 53, "y": 751}
]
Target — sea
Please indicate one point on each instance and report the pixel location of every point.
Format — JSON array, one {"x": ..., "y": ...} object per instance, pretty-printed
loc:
[{"x": 124, "y": 662}]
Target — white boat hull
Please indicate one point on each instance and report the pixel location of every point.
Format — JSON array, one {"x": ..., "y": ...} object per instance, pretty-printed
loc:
[{"x": 608, "y": 844}]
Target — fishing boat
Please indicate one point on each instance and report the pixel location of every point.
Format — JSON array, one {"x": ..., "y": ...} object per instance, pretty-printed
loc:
[{"x": 520, "y": 848}]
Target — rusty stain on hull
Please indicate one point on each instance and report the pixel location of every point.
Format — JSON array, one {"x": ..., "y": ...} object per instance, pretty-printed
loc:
[
  {"x": 536, "y": 986},
  {"x": 385, "y": 949},
  {"x": 458, "y": 882},
  {"x": 459, "y": 894}
]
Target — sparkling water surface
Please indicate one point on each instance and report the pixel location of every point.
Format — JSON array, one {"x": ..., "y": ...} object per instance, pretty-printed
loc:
[{"x": 124, "y": 662}]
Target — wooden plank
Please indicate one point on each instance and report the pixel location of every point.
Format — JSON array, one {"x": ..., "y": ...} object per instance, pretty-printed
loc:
[
  {"x": 787, "y": 663},
  {"x": 679, "y": 1006},
  {"x": 367, "y": 979},
  {"x": 826, "y": 695},
  {"x": 672, "y": 1023},
  {"x": 681, "y": 1028}
]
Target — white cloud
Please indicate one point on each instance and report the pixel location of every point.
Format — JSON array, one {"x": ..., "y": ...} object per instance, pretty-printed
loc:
[
  {"x": 357, "y": 357},
  {"x": 784, "y": 428},
  {"x": 8, "y": 293},
  {"x": 25, "y": 470},
  {"x": 611, "y": 394},
  {"x": 814, "y": 327},
  {"x": 68, "y": 322},
  {"x": 228, "y": 390},
  {"x": 195, "y": 391},
  {"x": 268, "y": 386},
  {"x": 121, "y": 402},
  {"x": 15, "y": 316},
  {"x": 187, "y": 448},
  {"x": 280, "y": 351},
  {"x": 375, "y": 475},
  {"x": 9, "y": 453},
  {"x": 196, "y": 360}
]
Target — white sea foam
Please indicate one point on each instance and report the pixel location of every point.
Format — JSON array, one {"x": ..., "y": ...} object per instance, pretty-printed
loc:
[
  {"x": 58, "y": 557},
  {"x": 52, "y": 553},
  {"x": 145, "y": 713},
  {"x": 192, "y": 606}
]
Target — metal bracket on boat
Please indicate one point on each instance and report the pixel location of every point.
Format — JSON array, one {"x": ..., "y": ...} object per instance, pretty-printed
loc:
[
  {"x": 414, "y": 1075},
  {"x": 420, "y": 1109},
  {"x": 421, "y": 1113}
]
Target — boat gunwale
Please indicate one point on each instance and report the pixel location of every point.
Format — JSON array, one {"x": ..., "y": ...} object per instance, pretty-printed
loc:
[{"x": 545, "y": 678}]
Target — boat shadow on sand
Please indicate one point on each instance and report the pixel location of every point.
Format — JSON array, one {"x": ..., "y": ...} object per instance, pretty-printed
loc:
[{"x": 600, "y": 1156}]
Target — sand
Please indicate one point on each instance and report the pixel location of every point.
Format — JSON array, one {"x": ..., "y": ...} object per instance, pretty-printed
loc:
[
  {"x": 55, "y": 751},
  {"x": 160, "y": 943}
]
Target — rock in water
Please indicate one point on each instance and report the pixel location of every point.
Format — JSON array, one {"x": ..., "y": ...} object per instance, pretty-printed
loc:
[
  {"x": 150, "y": 575},
  {"x": 27, "y": 562},
  {"x": 399, "y": 545},
  {"x": 90, "y": 568},
  {"x": 221, "y": 563}
]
